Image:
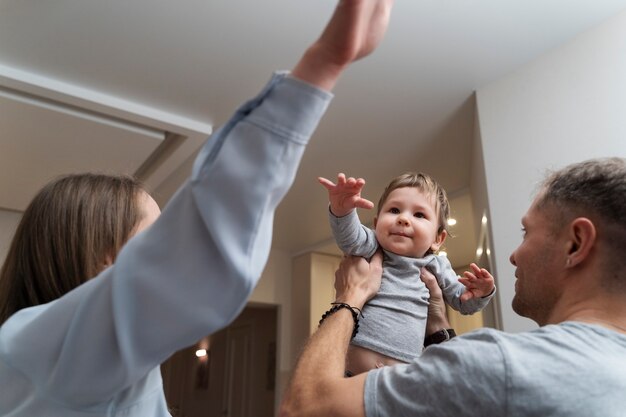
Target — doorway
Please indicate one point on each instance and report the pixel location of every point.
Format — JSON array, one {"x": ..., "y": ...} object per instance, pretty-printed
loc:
[{"x": 231, "y": 373}]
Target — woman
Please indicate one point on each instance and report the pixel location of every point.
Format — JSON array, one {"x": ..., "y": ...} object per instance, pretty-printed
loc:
[
  {"x": 71, "y": 345},
  {"x": 70, "y": 232}
]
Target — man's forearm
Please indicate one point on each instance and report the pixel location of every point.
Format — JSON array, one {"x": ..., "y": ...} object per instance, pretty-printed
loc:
[
  {"x": 318, "y": 386},
  {"x": 437, "y": 322}
]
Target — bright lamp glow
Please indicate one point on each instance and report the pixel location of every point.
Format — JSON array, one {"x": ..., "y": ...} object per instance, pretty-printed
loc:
[
  {"x": 451, "y": 222},
  {"x": 479, "y": 252},
  {"x": 201, "y": 353},
  {"x": 484, "y": 219}
]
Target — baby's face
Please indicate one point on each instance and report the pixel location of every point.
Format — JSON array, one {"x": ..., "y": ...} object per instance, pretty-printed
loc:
[{"x": 407, "y": 223}]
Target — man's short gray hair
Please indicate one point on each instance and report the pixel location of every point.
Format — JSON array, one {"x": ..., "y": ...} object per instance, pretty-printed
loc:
[{"x": 596, "y": 189}]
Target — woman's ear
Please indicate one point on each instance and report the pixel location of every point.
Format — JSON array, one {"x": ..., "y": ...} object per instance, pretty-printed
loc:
[
  {"x": 441, "y": 237},
  {"x": 581, "y": 238},
  {"x": 108, "y": 261}
]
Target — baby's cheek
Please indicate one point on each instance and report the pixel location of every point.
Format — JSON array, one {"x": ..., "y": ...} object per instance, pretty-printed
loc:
[{"x": 378, "y": 231}]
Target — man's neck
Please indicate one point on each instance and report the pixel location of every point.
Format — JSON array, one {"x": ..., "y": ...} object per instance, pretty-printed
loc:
[{"x": 607, "y": 311}]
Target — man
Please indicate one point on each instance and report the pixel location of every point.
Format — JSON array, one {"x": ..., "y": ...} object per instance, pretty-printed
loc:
[{"x": 571, "y": 280}]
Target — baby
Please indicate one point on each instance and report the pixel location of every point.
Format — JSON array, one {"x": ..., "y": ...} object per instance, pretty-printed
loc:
[{"x": 410, "y": 227}]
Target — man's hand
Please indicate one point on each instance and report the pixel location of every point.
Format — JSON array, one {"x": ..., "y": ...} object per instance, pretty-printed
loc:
[
  {"x": 345, "y": 196},
  {"x": 478, "y": 283},
  {"x": 437, "y": 315},
  {"x": 354, "y": 31},
  {"x": 357, "y": 280},
  {"x": 318, "y": 386}
]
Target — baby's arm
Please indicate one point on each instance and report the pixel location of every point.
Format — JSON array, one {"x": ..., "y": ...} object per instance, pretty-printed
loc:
[
  {"x": 351, "y": 236},
  {"x": 458, "y": 292},
  {"x": 345, "y": 196},
  {"x": 478, "y": 283}
]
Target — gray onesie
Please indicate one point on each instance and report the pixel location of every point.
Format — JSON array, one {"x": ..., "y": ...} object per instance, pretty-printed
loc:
[{"x": 394, "y": 321}]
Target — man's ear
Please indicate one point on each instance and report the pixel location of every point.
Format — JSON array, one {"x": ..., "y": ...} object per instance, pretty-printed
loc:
[
  {"x": 581, "y": 237},
  {"x": 441, "y": 237}
]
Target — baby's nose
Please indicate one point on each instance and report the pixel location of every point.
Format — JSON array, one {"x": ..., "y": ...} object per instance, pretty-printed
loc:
[{"x": 402, "y": 221}]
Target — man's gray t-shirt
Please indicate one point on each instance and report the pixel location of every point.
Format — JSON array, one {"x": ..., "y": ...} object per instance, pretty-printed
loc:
[{"x": 566, "y": 370}]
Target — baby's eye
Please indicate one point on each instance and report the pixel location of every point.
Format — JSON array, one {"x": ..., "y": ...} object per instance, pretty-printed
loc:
[
  {"x": 394, "y": 210},
  {"x": 419, "y": 215}
]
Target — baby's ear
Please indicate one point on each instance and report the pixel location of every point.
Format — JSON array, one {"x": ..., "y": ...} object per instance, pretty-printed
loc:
[
  {"x": 441, "y": 237},
  {"x": 375, "y": 221}
]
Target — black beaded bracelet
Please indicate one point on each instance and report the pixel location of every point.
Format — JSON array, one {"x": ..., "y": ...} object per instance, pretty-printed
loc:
[{"x": 355, "y": 315}]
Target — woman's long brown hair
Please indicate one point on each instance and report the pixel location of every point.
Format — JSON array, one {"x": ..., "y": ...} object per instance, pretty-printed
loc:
[{"x": 65, "y": 237}]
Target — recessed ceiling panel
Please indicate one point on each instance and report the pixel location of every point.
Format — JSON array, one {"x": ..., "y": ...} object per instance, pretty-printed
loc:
[{"x": 41, "y": 140}]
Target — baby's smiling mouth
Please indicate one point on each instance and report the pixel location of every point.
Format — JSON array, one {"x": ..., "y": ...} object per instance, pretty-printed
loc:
[{"x": 402, "y": 234}]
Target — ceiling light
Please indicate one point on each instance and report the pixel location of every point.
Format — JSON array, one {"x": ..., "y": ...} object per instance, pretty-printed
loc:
[
  {"x": 479, "y": 252},
  {"x": 201, "y": 353},
  {"x": 451, "y": 222},
  {"x": 484, "y": 219}
]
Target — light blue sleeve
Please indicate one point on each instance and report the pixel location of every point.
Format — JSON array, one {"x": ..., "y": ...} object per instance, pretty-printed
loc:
[
  {"x": 186, "y": 276},
  {"x": 351, "y": 236},
  {"x": 452, "y": 289}
]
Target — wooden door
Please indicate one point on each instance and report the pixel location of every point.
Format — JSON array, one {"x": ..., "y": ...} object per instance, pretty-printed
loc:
[{"x": 236, "y": 396}]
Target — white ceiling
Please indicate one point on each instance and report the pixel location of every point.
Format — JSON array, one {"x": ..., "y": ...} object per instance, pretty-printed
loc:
[{"x": 183, "y": 66}]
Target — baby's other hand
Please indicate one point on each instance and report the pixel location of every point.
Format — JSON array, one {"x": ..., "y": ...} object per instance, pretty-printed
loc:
[{"x": 478, "y": 283}]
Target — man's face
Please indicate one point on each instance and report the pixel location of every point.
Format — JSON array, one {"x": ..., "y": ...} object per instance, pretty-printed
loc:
[
  {"x": 408, "y": 222},
  {"x": 538, "y": 261}
]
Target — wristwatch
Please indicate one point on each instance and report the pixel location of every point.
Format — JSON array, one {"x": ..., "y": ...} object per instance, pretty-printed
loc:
[{"x": 441, "y": 336}]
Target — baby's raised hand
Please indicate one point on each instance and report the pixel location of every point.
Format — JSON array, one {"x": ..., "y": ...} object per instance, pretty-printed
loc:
[
  {"x": 478, "y": 283},
  {"x": 345, "y": 196}
]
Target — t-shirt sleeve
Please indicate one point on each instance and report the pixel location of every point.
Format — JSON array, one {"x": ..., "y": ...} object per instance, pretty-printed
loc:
[{"x": 463, "y": 377}]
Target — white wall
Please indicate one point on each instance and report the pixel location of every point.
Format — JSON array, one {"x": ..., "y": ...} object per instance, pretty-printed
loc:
[
  {"x": 480, "y": 209},
  {"x": 8, "y": 224},
  {"x": 569, "y": 105}
]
